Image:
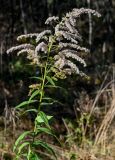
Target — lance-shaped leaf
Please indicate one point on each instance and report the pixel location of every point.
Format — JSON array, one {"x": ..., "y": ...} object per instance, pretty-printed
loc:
[
  {"x": 25, "y": 103},
  {"x": 20, "y": 138},
  {"x": 30, "y": 110},
  {"x": 50, "y": 80},
  {"x": 45, "y": 146},
  {"x": 22, "y": 146},
  {"x": 35, "y": 93},
  {"x": 50, "y": 100},
  {"x": 37, "y": 78},
  {"x": 45, "y": 130}
]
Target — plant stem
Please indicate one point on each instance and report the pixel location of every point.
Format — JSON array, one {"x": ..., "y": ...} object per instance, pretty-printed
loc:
[
  {"x": 42, "y": 88},
  {"x": 44, "y": 76}
]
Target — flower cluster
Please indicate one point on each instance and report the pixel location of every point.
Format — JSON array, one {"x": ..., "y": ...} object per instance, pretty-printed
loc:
[
  {"x": 52, "y": 20},
  {"x": 68, "y": 39},
  {"x": 20, "y": 47},
  {"x": 26, "y": 37},
  {"x": 65, "y": 50}
]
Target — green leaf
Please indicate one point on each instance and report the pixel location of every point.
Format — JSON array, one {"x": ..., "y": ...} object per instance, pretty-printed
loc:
[
  {"x": 46, "y": 104},
  {"x": 46, "y": 146},
  {"x": 31, "y": 110},
  {"x": 50, "y": 80},
  {"x": 47, "y": 98},
  {"x": 22, "y": 146},
  {"x": 38, "y": 78},
  {"x": 34, "y": 156},
  {"x": 45, "y": 130},
  {"x": 39, "y": 119},
  {"x": 35, "y": 93},
  {"x": 50, "y": 86},
  {"x": 25, "y": 103},
  {"x": 20, "y": 138},
  {"x": 51, "y": 101},
  {"x": 48, "y": 101},
  {"x": 43, "y": 118}
]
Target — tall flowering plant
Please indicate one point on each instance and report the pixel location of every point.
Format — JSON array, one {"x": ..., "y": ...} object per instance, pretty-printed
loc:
[{"x": 57, "y": 53}]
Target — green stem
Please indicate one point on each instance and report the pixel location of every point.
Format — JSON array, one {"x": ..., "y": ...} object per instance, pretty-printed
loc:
[
  {"x": 43, "y": 83},
  {"x": 44, "y": 77}
]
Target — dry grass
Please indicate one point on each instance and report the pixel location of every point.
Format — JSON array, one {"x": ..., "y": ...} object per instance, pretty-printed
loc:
[{"x": 103, "y": 143}]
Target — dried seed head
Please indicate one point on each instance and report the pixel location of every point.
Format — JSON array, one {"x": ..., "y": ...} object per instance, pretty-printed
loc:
[
  {"x": 41, "y": 47},
  {"x": 42, "y": 34},
  {"x": 73, "y": 67},
  {"x": 27, "y": 36},
  {"x": 78, "y": 12},
  {"x": 28, "y": 51},
  {"x": 20, "y": 47},
  {"x": 65, "y": 39},
  {"x": 71, "y": 54},
  {"x": 51, "y": 20},
  {"x": 71, "y": 45}
]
